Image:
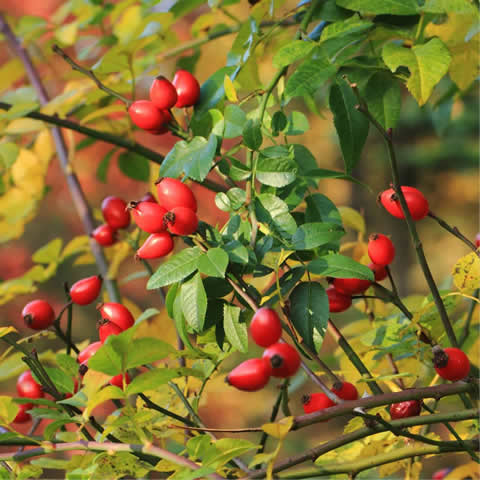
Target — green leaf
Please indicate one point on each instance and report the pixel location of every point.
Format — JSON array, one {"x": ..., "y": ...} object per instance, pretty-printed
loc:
[
  {"x": 310, "y": 75},
  {"x": 61, "y": 380},
  {"x": 339, "y": 266},
  {"x": 134, "y": 166},
  {"x": 213, "y": 90},
  {"x": 232, "y": 200},
  {"x": 428, "y": 63},
  {"x": 152, "y": 379},
  {"x": 351, "y": 125},
  {"x": 297, "y": 124},
  {"x": 384, "y": 98},
  {"x": 235, "y": 119},
  {"x": 252, "y": 135},
  {"x": 292, "y": 52},
  {"x": 378, "y": 7},
  {"x": 194, "y": 302},
  {"x": 235, "y": 331},
  {"x": 274, "y": 212},
  {"x": 312, "y": 235},
  {"x": 49, "y": 253},
  {"x": 181, "y": 325},
  {"x": 106, "y": 360},
  {"x": 175, "y": 269},
  {"x": 8, "y": 409},
  {"x": 147, "y": 350},
  {"x": 237, "y": 252},
  {"x": 230, "y": 448},
  {"x": 462, "y": 7},
  {"x": 345, "y": 27},
  {"x": 279, "y": 122},
  {"x": 276, "y": 167},
  {"x": 194, "y": 158},
  {"x": 309, "y": 310},
  {"x": 8, "y": 154},
  {"x": 102, "y": 168},
  {"x": 321, "y": 209},
  {"x": 19, "y": 110},
  {"x": 214, "y": 263},
  {"x": 67, "y": 363}
]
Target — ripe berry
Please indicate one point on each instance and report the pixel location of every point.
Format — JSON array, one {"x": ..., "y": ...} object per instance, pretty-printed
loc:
[
  {"x": 379, "y": 271},
  {"x": 22, "y": 415},
  {"x": 116, "y": 313},
  {"x": 251, "y": 375},
  {"x": 451, "y": 363},
  {"x": 117, "y": 380},
  {"x": 316, "y": 402},
  {"x": 380, "y": 249},
  {"x": 265, "y": 327},
  {"x": 284, "y": 359},
  {"x": 441, "y": 474},
  {"x": 337, "y": 302},
  {"x": 155, "y": 246},
  {"x": 38, "y": 314},
  {"x": 104, "y": 235},
  {"x": 345, "y": 391},
  {"x": 174, "y": 193},
  {"x": 163, "y": 93},
  {"x": 188, "y": 89},
  {"x": 148, "y": 216},
  {"x": 85, "y": 291},
  {"x": 28, "y": 387},
  {"x": 75, "y": 389},
  {"x": 477, "y": 240},
  {"x": 167, "y": 118},
  {"x": 409, "y": 408},
  {"x": 108, "y": 328},
  {"x": 88, "y": 352},
  {"x": 416, "y": 202},
  {"x": 181, "y": 221},
  {"x": 114, "y": 211},
  {"x": 146, "y": 115},
  {"x": 351, "y": 286}
]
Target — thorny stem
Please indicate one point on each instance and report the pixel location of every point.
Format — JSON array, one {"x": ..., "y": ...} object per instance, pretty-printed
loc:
[
  {"x": 453, "y": 230},
  {"x": 76, "y": 192},
  {"x": 387, "y": 136}
]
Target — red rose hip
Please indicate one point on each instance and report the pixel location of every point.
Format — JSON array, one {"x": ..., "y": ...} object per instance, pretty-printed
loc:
[
  {"x": 417, "y": 204},
  {"x": 188, "y": 89},
  {"x": 155, "y": 246},
  {"x": 265, "y": 327},
  {"x": 88, "y": 352},
  {"x": 38, "y": 314},
  {"x": 116, "y": 313},
  {"x": 28, "y": 387},
  {"x": 337, "y": 302},
  {"x": 409, "y": 408},
  {"x": 148, "y": 216},
  {"x": 115, "y": 213},
  {"x": 351, "y": 286},
  {"x": 105, "y": 235},
  {"x": 22, "y": 415},
  {"x": 146, "y": 115},
  {"x": 108, "y": 328},
  {"x": 451, "y": 363},
  {"x": 117, "y": 380},
  {"x": 181, "y": 221},
  {"x": 316, "y": 402},
  {"x": 174, "y": 193},
  {"x": 380, "y": 249},
  {"x": 85, "y": 291},
  {"x": 284, "y": 359},
  {"x": 345, "y": 391},
  {"x": 251, "y": 375},
  {"x": 379, "y": 271},
  {"x": 163, "y": 93}
]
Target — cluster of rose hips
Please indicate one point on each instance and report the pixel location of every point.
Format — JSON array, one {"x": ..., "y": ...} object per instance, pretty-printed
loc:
[
  {"x": 154, "y": 115},
  {"x": 174, "y": 213},
  {"x": 279, "y": 359}
]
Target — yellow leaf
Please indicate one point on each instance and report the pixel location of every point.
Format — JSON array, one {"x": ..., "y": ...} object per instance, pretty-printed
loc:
[
  {"x": 23, "y": 125},
  {"x": 101, "y": 112},
  {"x": 10, "y": 72},
  {"x": 80, "y": 244},
  {"x": 43, "y": 146},
  {"x": 125, "y": 27},
  {"x": 464, "y": 67},
  {"x": 85, "y": 259},
  {"x": 389, "y": 468},
  {"x": 466, "y": 273},
  {"x": 121, "y": 251},
  {"x": 470, "y": 470},
  {"x": 279, "y": 429},
  {"x": 352, "y": 219},
  {"x": 108, "y": 393},
  {"x": 230, "y": 91},
  {"x": 8, "y": 409},
  {"x": 67, "y": 34}
]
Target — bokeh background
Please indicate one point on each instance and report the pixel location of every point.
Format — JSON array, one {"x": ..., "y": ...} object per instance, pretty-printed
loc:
[{"x": 435, "y": 154}]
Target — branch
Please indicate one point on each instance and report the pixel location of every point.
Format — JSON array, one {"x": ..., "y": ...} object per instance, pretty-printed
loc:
[
  {"x": 76, "y": 192},
  {"x": 453, "y": 230}
]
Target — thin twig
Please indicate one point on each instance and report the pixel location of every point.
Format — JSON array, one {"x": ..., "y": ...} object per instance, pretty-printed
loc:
[{"x": 453, "y": 230}]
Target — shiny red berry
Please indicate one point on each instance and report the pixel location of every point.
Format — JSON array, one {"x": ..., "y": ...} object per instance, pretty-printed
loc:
[
  {"x": 408, "y": 408},
  {"x": 188, "y": 89},
  {"x": 265, "y": 327},
  {"x": 251, "y": 375},
  {"x": 380, "y": 249},
  {"x": 337, "y": 302},
  {"x": 146, "y": 115},
  {"x": 108, "y": 328},
  {"x": 28, "y": 387},
  {"x": 379, "y": 271},
  {"x": 345, "y": 391},
  {"x": 116, "y": 313},
  {"x": 181, "y": 221},
  {"x": 416, "y": 202},
  {"x": 163, "y": 93},
  {"x": 284, "y": 359},
  {"x": 174, "y": 193},
  {"x": 38, "y": 314},
  {"x": 22, "y": 415},
  {"x": 117, "y": 380},
  {"x": 167, "y": 118},
  {"x": 85, "y": 291},
  {"x": 88, "y": 352},
  {"x": 148, "y": 216},
  {"x": 105, "y": 235},
  {"x": 115, "y": 213},
  {"x": 351, "y": 286},
  {"x": 451, "y": 363},
  {"x": 157, "y": 245},
  {"x": 316, "y": 402},
  {"x": 477, "y": 240}
]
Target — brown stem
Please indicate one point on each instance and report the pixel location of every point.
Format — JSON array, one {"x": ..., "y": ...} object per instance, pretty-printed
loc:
[{"x": 453, "y": 230}]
